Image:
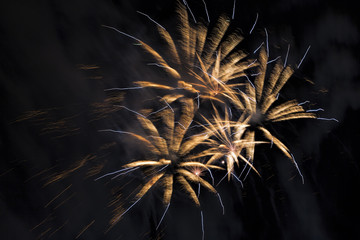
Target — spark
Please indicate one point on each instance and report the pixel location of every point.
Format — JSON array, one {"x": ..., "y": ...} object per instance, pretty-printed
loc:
[
  {"x": 250, "y": 81},
  {"x": 287, "y": 54},
  {"x": 233, "y": 13},
  {"x": 256, "y": 19},
  {"x": 297, "y": 167},
  {"x": 198, "y": 188},
  {"x": 247, "y": 174},
  {"x": 207, "y": 14},
  {"x": 273, "y": 59},
  {"x": 315, "y": 110},
  {"x": 328, "y": 119},
  {"x": 222, "y": 205},
  {"x": 202, "y": 225},
  {"x": 127, "y": 210},
  {"x": 237, "y": 179},
  {"x": 252, "y": 63},
  {"x": 150, "y": 19},
  {"x": 243, "y": 170},
  {"x": 112, "y": 173},
  {"x": 303, "y": 57},
  {"x": 258, "y": 47},
  {"x": 187, "y": 5},
  {"x": 161, "y": 109},
  {"x": 267, "y": 42},
  {"x": 125, "y": 34},
  {"x": 123, "y": 173},
  {"x": 162, "y": 217},
  {"x": 130, "y": 110},
  {"x": 307, "y": 101}
]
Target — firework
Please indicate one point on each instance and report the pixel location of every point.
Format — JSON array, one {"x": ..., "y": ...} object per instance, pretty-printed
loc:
[
  {"x": 226, "y": 142},
  {"x": 199, "y": 62},
  {"x": 257, "y": 101},
  {"x": 170, "y": 159}
]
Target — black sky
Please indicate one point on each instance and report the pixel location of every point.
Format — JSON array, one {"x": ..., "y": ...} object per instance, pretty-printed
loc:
[{"x": 43, "y": 46}]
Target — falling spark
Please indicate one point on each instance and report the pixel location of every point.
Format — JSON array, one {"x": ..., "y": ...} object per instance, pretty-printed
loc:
[
  {"x": 328, "y": 119},
  {"x": 287, "y": 55},
  {"x": 202, "y": 225},
  {"x": 307, "y": 101},
  {"x": 257, "y": 49},
  {"x": 187, "y": 5},
  {"x": 207, "y": 14},
  {"x": 303, "y": 57},
  {"x": 315, "y": 110},
  {"x": 233, "y": 13},
  {"x": 222, "y": 205},
  {"x": 151, "y": 19},
  {"x": 267, "y": 42},
  {"x": 297, "y": 167},
  {"x": 162, "y": 217},
  {"x": 257, "y": 16}
]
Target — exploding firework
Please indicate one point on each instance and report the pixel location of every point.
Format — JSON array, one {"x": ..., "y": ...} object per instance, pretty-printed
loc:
[
  {"x": 256, "y": 104},
  {"x": 170, "y": 159},
  {"x": 201, "y": 63}
]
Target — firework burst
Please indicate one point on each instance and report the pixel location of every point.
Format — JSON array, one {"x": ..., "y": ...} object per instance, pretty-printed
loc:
[
  {"x": 201, "y": 63},
  {"x": 170, "y": 159}
]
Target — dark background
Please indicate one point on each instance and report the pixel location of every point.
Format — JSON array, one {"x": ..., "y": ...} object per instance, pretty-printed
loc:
[{"x": 43, "y": 46}]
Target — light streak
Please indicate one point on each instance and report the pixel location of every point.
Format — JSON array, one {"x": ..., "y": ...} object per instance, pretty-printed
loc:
[
  {"x": 303, "y": 57},
  {"x": 233, "y": 13},
  {"x": 267, "y": 42},
  {"x": 328, "y": 119},
  {"x": 297, "y": 167},
  {"x": 162, "y": 217},
  {"x": 207, "y": 14},
  {"x": 287, "y": 55},
  {"x": 150, "y": 19},
  {"x": 222, "y": 205},
  {"x": 257, "y": 16},
  {"x": 202, "y": 225},
  {"x": 315, "y": 110}
]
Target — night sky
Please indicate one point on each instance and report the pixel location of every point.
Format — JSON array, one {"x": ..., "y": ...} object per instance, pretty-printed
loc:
[{"x": 45, "y": 47}]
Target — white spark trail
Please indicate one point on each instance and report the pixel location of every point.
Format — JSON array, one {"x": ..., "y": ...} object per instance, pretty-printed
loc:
[
  {"x": 131, "y": 170},
  {"x": 187, "y": 5},
  {"x": 303, "y": 57},
  {"x": 151, "y": 19},
  {"x": 267, "y": 42},
  {"x": 222, "y": 205},
  {"x": 242, "y": 185},
  {"x": 328, "y": 119},
  {"x": 127, "y": 210},
  {"x": 297, "y": 167},
  {"x": 287, "y": 55},
  {"x": 128, "y": 35},
  {"x": 307, "y": 101},
  {"x": 273, "y": 60},
  {"x": 162, "y": 217},
  {"x": 112, "y": 173},
  {"x": 258, "y": 47},
  {"x": 131, "y": 110},
  {"x": 202, "y": 225},
  {"x": 233, "y": 13},
  {"x": 207, "y": 14},
  {"x": 315, "y": 110},
  {"x": 257, "y": 16}
]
